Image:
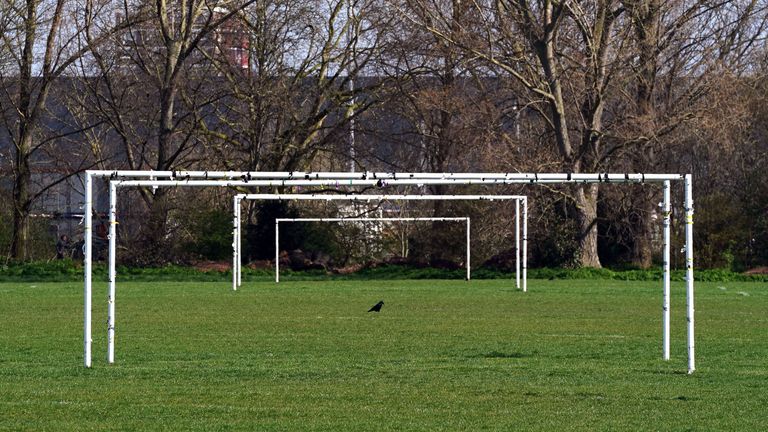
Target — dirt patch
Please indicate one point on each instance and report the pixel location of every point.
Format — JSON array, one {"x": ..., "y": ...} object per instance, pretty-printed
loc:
[
  {"x": 261, "y": 265},
  {"x": 209, "y": 266},
  {"x": 349, "y": 269},
  {"x": 757, "y": 271}
]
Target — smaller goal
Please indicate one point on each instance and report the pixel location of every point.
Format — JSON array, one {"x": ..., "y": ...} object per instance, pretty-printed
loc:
[
  {"x": 367, "y": 219},
  {"x": 520, "y": 221}
]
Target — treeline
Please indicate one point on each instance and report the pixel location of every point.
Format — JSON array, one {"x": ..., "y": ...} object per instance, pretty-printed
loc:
[{"x": 393, "y": 85}]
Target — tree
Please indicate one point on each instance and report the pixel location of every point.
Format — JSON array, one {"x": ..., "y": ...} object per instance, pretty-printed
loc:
[
  {"x": 151, "y": 84},
  {"x": 297, "y": 96},
  {"x": 681, "y": 50},
  {"x": 564, "y": 56},
  {"x": 39, "y": 46},
  {"x": 575, "y": 61},
  {"x": 312, "y": 71},
  {"x": 443, "y": 119},
  {"x": 260, "y": 85}
]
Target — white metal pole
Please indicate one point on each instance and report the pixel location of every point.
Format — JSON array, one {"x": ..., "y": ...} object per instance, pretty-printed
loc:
[
  {"x": 234, "y": 246},
  {"x": 525, "y": 244},
  {"x": 666, "y": 212},
  {"x": 527, "y": 179},
  {"x": 239, "y": 243},
  {"x": 468, "y": 247},
  {"x": 112, "y": 273},
  {"x": 517, "y": 243},
  {"x": 235, "y": 252},
  {"x": 277, "y": 250},
  {"x": 365, "y": 219},
  {"x": 689, "y": 270},
  {"x": 87, "y": 270},
  {"x": 292, "y": 175},
  {"x": 378, "y": 197}
]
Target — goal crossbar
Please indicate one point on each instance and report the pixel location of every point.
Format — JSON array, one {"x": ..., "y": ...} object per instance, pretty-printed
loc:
[
  {"x": 310, "y": 175},
  {"x": 245, "y": 179}
]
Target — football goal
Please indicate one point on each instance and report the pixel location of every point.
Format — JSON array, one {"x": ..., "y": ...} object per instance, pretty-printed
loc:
[
  {"x": 339, "y": 180},
  {"x": 359, "y": 220},
  {"x": 519, "y": 265}
]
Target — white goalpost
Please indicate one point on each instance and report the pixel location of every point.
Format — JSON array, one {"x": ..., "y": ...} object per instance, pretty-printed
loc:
[
  {"x": 362, "y": 219},
  {"x": 370, "y": 179},
  {"x": 237, "y": 221}
]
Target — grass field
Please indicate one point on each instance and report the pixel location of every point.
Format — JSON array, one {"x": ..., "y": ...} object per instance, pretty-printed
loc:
[{"x": 442, "y": 355}]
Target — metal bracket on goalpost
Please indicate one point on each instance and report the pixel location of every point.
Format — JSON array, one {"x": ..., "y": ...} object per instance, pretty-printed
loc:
[
  {"x": 237, "y": 224},
  {"x": 371, "y": 179}
]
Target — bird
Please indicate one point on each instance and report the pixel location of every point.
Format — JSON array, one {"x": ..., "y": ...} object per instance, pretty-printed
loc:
[{"x": 376, "y": 307}]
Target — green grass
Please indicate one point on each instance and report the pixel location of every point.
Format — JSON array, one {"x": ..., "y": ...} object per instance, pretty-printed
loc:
[
  {"x": 71, "y": 271},
  {"x": 442, "y": 355}
]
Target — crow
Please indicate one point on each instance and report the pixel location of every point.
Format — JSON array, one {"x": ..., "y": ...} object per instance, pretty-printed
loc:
[{"x": 376, "y": 307}]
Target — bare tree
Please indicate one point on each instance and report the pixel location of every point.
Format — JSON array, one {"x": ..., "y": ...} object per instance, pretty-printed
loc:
[
  {"x": 564, "y": 55},
  {"x": 297, "y": 94},
  {"x": 258, "y": 85},
  {"x": 448, "y": 116},
  {"x": 39, "y": 46},
  {"x": 310, "y": 71},
  {"x": 151, "y": 84},
  {"x": 575, "y": 61},
  {"x": 681, "y": 52}
]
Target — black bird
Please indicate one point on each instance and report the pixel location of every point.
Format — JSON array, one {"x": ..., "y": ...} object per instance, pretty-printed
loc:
[{"x": 377, "y": 307}]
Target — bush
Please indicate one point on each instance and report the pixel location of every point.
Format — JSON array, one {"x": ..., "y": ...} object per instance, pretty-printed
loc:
[
  {"x": 213, "y": 240},
  {"x": 72, "y": 271}
]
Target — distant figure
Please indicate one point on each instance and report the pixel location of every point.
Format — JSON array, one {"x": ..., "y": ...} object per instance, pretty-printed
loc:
[
  {"x": 62, "y": 246},
  {"x": 377, "y": 307}
]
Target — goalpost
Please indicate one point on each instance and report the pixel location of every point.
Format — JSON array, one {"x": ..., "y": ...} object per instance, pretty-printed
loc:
[
  {"x": 337, "y": 179},
  {"x": 237, "y": 243},
  {"x": 343, "y": 220}
]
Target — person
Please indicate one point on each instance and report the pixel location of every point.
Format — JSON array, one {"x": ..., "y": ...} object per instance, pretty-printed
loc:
[{"x": 62, "y": 246}]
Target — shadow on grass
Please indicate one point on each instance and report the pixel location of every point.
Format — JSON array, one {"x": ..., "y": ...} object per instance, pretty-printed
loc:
[
  {"x": 667, "y": 371},
  {"x": 499, "y": 355}
]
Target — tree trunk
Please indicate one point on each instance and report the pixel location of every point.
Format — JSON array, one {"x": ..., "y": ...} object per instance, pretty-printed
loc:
[
  {"x": 22, "y": 174},
  {"x": 20, "y": 240},
  {"x": 586, "y": 215},
  {"x": 642, "y": 248},
  {"x": 646, "y": 25},
  {"x": 642, "y": 252},
  {"x": 166, "y": 128},
  {"x": 21, "y": 203}
]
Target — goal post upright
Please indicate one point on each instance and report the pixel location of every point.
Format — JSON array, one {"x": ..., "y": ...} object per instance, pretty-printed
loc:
[
  {"x": 525, "y": 244},
  {"x": 239, "y": 244},
  {"x": 235, "y": 234},
  {"x": 287, "y": 179},
  {"x": 666, "y": 211},
  {"x": 689, "y": 270},
  {"x": 469, "y": 239},
  {"x": 517, "y": 244},
  {"x": 112, "y": 272},
  {"x": 88, "y": 287},
  {"x": 277, "y": 250}
]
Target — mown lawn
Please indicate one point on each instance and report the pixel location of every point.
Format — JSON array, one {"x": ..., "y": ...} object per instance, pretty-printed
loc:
[{"x": 442, "y": 355}]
